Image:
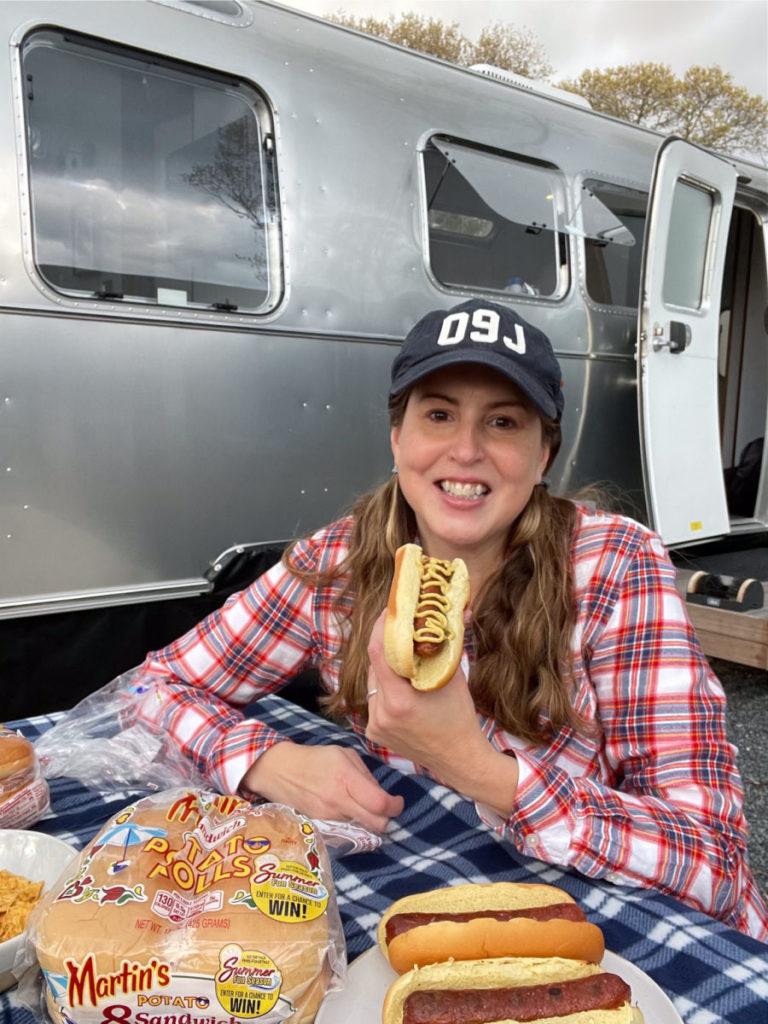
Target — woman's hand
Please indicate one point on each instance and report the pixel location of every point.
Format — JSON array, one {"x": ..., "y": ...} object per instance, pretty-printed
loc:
[
  {"x": 323, "y": 782},
  {"x": 438, "y": 730}
]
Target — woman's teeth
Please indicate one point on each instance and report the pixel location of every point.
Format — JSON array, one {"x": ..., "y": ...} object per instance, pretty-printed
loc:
[{"x": 473, "y": 491}]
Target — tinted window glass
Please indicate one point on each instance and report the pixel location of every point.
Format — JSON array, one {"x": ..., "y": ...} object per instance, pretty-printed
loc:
[
  {"x": 613, "y": 260},
  {"x": 149, "y": 182},
  {"x": 687, "y": 246},
  {"x": 492, "y": 221}
]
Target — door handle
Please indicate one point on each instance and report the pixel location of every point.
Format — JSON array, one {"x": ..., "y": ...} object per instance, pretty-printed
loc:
[{"x": 675, "y": 335}]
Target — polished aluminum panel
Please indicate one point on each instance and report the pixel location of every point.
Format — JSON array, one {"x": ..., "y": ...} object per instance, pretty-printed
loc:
[{"x": 138, "y": 443}]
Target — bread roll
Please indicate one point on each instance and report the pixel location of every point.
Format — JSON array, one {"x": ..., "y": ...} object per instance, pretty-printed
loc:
[
  {"x": 189, "y": 902},
  {"x": 24, "y": 796}
]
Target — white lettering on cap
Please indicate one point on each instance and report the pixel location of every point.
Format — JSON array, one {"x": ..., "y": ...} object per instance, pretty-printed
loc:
[{"x": 485, "y": 324}]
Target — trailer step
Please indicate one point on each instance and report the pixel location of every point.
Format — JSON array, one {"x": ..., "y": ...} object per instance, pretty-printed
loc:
[{"x": 741, "y": 637}]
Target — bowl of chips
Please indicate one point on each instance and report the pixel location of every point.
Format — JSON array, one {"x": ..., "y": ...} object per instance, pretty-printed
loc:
[{"x": 30, "y": 863}]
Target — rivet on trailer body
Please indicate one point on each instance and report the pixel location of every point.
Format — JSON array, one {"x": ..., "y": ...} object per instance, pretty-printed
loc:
[
  {"x": 327, "y": 405},
  {"x": 304, "y": 405},
  {"x": 303, "y": 491}
]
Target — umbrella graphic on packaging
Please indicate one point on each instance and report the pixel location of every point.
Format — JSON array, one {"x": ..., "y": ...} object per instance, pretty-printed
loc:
[{"x": 125, "y": 835}]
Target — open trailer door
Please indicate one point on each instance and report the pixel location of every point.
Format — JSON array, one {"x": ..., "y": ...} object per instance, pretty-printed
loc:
[{"x": 688, "y": 217}]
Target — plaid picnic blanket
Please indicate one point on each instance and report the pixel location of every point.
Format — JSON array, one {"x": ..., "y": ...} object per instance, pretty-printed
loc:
[{"x": 712, "y": 973}]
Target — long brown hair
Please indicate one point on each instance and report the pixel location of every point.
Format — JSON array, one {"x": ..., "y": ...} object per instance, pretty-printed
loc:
[{"x": 523, "y": 618}]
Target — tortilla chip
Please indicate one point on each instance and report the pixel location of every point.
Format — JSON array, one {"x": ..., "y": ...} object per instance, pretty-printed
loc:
[{"x": 18, "y": 897}]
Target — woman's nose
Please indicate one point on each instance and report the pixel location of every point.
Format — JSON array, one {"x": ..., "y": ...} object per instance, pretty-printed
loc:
[{"x": 467, "y": 444}]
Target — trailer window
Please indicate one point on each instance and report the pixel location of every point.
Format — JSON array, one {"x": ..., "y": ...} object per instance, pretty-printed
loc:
[
  {"x": 150, "y": 182},
  {"x": 492, "y": 221},
  {"x": 613, "y": 259},
  {"x": 689, "y": 228}
]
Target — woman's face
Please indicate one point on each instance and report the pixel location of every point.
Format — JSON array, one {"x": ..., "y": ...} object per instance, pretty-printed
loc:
[{"x": 469, "y": 452}]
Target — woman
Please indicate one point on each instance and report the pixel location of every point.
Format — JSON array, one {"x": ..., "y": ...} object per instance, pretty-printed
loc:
[{"x": 590, "y": 728}]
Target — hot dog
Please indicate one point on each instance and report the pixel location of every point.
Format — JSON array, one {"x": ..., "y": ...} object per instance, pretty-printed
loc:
[
  {"x": 474, "y": 922},
  {"x": 510, "y": 991},
  {"x": 424, "y": 623}
]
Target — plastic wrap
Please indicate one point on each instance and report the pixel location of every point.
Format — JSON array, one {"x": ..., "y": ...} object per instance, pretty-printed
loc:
[
  {"x": 192, "y": 908},
  {"x": 113, "y": 741},
  {"x": 24, "y": 797},
  {"x": 103, "y": 743}
]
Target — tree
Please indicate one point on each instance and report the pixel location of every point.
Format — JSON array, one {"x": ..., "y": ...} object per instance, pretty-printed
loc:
[
  {"x": 505, "y": 46},
  {"x": 703, "y": 106},
  {"x": 514, "y": 49},
  {"x": 427, "y": 35}
]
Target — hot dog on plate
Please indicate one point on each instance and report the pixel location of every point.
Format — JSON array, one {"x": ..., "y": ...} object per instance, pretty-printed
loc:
[
  {"x": 424, "y": 623},
  {"x": 510, "y": 991},
  {"x": 474, "y": 922}
]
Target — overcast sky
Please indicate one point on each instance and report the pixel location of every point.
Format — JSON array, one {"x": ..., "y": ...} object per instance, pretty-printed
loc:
[{"x": 579, "y": 34}]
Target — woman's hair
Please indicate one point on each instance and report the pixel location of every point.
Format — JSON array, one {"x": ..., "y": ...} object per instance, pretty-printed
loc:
[{"x": 523, "y": 618}]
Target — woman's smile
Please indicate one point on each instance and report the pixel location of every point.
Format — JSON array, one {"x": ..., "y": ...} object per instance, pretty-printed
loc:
[{"x": 464, "y": 490}]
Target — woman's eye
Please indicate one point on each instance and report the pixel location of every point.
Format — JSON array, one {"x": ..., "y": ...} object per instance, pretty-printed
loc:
[
  {"x": 437, "y": 415},
  {"x": 503, "y": 422}
]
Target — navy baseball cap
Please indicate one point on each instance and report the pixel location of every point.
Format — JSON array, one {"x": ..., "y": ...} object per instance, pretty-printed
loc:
[{"x": 490, "y": 335}]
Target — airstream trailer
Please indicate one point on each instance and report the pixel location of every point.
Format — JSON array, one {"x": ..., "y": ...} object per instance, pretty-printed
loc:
[{"x": 218, "y": 221}]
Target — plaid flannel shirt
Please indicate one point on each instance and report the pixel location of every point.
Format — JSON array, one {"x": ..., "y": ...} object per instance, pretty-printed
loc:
[{"x": 651, "y": 798}]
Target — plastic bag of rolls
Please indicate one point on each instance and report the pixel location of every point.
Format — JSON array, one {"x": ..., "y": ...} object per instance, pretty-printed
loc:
[
  {"x": 24, "y": 796},
  {"x": 192, "y": 908}
]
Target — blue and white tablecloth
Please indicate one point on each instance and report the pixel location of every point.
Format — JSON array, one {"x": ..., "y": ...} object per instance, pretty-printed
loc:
[{"x": 712, "y": 973}]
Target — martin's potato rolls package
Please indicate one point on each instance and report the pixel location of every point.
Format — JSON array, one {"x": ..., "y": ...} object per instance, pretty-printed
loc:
[{"x": 193, "y": 908}]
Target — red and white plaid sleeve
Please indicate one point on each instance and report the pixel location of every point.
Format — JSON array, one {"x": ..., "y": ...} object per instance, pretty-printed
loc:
[
  {"x": 662, "y": 803},
  {"x": 249, "y": 647}
]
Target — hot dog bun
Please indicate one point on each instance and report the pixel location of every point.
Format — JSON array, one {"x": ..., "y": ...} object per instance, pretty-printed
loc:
[
  {"x": 552, "y": 975},
  {"x": 484, "y": 936},
  {"x": 425, "y": 672}
]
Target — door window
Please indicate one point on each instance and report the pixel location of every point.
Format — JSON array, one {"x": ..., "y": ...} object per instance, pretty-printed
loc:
[
  {"x": 686, "y": 254},
  {"x": 150, "y": 182}
]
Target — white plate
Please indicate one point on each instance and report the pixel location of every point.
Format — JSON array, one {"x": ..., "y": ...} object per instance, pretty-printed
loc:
[
  {"x": 37, "y": 857},
  {"x": 370, "y": 976}
]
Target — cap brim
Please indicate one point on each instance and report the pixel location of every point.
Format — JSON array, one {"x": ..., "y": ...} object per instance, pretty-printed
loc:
[{"x": 530, "y": 387}]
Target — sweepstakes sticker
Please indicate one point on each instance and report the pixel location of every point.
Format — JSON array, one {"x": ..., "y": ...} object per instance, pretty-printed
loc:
[
  {"x": 287, "y": 891},
  {"x": 247, "y": 982}
]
